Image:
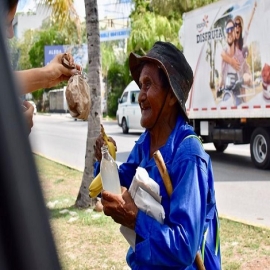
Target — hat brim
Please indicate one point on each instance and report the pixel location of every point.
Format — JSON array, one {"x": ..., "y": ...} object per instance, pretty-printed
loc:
[{"x": 135, "y": 66}]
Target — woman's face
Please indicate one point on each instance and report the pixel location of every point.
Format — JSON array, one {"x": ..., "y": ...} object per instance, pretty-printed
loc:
[
  {"x": 238, "y": 29},
  {"x": 152, "y": 96},
  {"x": 9, "y": 26}
]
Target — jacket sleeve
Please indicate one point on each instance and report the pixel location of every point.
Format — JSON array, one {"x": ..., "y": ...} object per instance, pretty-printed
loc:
[{"x": 176, "y": 242}]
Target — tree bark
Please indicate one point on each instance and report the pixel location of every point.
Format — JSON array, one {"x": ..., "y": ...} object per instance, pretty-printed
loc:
[{"x": 93, "y": 40}]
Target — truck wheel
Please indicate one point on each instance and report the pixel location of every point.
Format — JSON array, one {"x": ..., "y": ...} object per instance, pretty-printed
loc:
[
  {"x": 260, "y": 148},
  {"x": 220, "y": 147},
  {"x": 124, "y": 126}
]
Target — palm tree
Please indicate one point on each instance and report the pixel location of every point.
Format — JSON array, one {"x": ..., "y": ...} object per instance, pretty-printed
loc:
[
  {"x": 62, "y": 11},
  {"x": 94, "y": 79}
]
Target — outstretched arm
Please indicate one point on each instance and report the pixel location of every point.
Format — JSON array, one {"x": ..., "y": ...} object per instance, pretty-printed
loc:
[{"x": 44, "y": 77}]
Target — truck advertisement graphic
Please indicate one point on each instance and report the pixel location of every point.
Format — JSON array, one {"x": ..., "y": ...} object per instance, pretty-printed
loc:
[
  {"x": 230, "y": 50},
  {"x": 227, "y": 44}
]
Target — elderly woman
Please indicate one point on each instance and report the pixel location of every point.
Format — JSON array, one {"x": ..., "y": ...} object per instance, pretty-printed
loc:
[{"x": 191, "y": 222}]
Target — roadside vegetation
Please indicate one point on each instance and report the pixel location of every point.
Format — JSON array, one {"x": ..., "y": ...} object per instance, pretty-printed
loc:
[{"x": 86, "y": 239}]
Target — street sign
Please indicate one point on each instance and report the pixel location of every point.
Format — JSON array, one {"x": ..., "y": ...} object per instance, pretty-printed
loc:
[
  {"x": 79, "y": 52},
  {"x": 51, "y": 51},
  {"x": 117, "y": 34}
]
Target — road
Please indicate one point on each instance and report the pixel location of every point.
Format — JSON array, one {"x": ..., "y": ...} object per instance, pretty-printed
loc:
[{"x": 242, "y": 192}]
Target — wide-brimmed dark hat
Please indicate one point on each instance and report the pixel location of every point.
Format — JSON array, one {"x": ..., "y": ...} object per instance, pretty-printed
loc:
[{"x": 173, "y": 63}]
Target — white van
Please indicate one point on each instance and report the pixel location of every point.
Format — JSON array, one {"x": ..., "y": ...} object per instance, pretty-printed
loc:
[{"x": 129, "y": 113}]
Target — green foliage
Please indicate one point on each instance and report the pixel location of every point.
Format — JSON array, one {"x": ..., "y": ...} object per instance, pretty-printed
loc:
[
  {"x": 118, "y": 78},
  {"x": 107, "y": 57},
  {"x": 36, "y": 53},
  {"x": 24, "y": 46},
  {"x": 37, "y": 95},
  {"x": 148, "y": 26},
  {"x": 50, "y": 35},
  {"x": 175, "y": 8},
  {"x": 115, "y": 72},
  {"x": 141, "y": 8}
]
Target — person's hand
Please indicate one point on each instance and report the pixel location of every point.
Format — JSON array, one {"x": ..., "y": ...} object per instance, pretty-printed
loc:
[
  {"x": 57, "y": 72},
  {"x": 121, "y": 208},
  {"x": 99, "y": 143},
  {"x": 28, "y": 114},
  {"x": 235, "y": 64}
]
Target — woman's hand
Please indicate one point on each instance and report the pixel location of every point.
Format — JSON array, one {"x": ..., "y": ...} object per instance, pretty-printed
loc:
[
  {"x": 235, "y": 63},
  {"x": 121, "y": 208},
  {"x": 46, "y": 77},
  {"x": 57, "y": 72},
  {"x": 28, "y": 114}
]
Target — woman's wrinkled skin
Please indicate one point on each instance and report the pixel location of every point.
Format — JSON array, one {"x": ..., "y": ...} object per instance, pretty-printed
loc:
[
  {"x": 159, "y": 106},
  {"x": 121, "y": 208}
]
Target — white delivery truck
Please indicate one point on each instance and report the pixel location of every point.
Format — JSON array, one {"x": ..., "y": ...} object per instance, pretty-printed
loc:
[{"x": 227, "y": 44}]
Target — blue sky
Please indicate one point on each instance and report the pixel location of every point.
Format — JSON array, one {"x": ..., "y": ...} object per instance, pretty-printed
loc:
[{"x": 106, "y": 7}]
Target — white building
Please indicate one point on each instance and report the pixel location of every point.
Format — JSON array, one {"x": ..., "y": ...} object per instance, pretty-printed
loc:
[{"x": 30, "y": 20}]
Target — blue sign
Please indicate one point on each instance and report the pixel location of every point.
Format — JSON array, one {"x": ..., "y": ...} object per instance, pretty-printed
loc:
[
  {"x": 114, "y": 34},
  {"x": 51, "y": 51},
  {"x": 79, "y": 53}
]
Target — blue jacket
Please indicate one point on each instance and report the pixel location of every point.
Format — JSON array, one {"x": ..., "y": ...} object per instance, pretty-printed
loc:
[{"x": 191, "y": 220}]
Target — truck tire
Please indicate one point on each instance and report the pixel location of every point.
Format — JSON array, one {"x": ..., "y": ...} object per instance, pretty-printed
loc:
[
  {"x": 260, "y": 148},
  {"x": 124, "y": 126},
  {"x": 220, "y": 147}
]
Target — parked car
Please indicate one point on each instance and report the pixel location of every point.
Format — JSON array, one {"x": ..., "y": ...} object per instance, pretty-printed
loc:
[
  {"x": 128, "y": 112},
  {"x": 34, "y": 105}
]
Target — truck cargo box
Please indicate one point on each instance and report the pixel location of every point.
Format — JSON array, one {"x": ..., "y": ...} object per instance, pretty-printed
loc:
[{"x": 227, "y": 44}]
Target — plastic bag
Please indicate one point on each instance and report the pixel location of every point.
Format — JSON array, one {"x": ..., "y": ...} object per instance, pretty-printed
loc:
[
  {"x": 78, "y": 97},
  {"x": 77, "y": 92}
]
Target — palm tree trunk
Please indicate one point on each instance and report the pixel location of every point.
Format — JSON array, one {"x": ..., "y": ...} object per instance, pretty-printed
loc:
[{"x": 93, "y": 39}]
